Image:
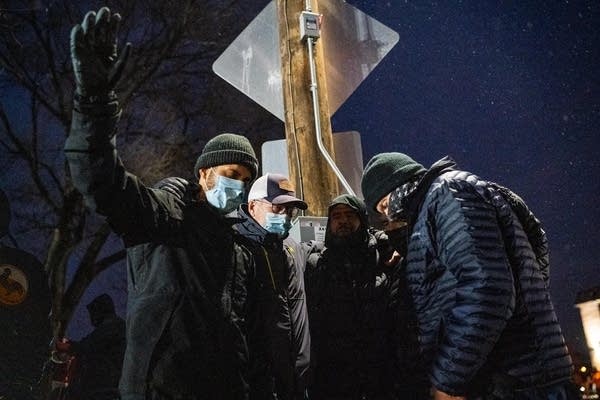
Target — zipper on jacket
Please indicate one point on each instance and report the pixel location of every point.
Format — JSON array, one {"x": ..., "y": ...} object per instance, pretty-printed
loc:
[{"x": 269, "y": 268}]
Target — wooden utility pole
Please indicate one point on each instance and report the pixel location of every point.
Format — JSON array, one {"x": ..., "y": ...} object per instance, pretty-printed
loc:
[{"x": 314, "y": 178}]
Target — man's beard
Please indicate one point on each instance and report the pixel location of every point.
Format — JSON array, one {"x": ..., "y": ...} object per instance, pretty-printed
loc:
[
  {"x": 349, "y": 240},
  {"x": 344, "y": 231}
]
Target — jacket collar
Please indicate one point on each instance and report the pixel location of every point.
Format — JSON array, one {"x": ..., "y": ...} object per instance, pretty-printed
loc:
[
  {"x": 248, "y": 227},
  {"x": 411, "y": 203}
]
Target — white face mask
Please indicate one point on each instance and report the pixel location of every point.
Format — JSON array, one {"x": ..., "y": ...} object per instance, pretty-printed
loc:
[{"x": 226, "y": 195}]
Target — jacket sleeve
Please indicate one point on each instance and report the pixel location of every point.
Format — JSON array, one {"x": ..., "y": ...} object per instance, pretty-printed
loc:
[
  {"x": 298, "y": 315},
  {"x": 465, "y": 231},
  {"x": 312, "y": 252},
  {"x": 98, "y": 173}
]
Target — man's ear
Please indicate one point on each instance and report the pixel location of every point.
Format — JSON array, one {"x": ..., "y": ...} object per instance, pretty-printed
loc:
[
  {"x": 203, "y": 177},
  {"x": 251, "y": 208}
]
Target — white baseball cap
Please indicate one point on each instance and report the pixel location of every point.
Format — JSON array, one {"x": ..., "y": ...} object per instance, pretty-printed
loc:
[{"x": 276, "y": 189}]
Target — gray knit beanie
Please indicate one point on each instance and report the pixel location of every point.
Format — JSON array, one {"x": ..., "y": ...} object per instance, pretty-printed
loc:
[
  {"x": 385, "y": 172},
  {"x": 228, "y": 148}
]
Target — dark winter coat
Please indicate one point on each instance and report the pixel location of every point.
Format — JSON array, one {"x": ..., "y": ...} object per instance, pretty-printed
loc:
[
  {"x": 188, "y": 278},
  {"x": 480, "y": 291},
  {"x": 347, "y": 292},
  {"x": 282, "y": 310}
]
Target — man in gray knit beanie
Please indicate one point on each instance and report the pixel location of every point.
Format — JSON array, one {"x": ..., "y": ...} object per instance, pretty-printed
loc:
[
  {"x": 224, "y": 170},
  {"x": 191, "y": 316}
]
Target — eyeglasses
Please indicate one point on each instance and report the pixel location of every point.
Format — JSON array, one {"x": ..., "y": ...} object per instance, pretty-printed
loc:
[{"x": 290, "y": 210}]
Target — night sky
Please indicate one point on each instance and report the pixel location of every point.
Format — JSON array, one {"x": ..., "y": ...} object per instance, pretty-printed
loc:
[{"x": 511, "y": 91}]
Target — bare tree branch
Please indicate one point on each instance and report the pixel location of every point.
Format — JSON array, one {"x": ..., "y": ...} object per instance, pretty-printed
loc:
[
  {"x": 29, "y": 157},
  {"x": 46, "y": 44}
]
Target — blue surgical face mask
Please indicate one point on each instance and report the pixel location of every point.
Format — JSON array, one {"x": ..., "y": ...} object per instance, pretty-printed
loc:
[
  {"x": 277, "y": 223},
  {"x": 226, "y": 195}
]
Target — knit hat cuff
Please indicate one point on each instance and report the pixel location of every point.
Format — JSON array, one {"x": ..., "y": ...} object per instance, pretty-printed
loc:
[
  {"x": 220, "y": 157},
  {"x": 382, "y": 188},
  {"x": 385, "y": 172}
]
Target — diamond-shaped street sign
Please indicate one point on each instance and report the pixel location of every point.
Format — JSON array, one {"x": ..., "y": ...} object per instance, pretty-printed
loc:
[{"x": 353, "y": 45}]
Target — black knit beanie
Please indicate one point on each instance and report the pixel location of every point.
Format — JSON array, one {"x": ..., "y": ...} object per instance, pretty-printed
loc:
[
  {"x": 385, "y": 172},
  {"x": 228, "y": 148}
]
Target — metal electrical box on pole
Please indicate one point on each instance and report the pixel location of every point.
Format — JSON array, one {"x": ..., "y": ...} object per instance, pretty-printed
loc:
[{"x": 315, "y": 180}]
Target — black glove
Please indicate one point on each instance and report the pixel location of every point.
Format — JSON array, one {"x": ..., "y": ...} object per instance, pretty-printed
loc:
[
  {"x": 174, "y": 185},
  {"x": 94, "y": 54}
]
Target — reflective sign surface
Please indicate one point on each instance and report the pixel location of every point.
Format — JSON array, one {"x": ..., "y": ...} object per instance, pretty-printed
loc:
[{"x": 353, "y": 44}]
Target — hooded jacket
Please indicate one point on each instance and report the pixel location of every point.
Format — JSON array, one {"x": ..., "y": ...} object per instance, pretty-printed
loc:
[
  {"x": 188, "y": 277},
  {"x": 282, "y": 314},
  {"x": 486, "y": 325},
  {"x": 347, "y": 292}
]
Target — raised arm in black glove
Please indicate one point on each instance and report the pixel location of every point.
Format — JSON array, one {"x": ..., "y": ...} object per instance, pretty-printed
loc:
[{"x": 96, "y": 64}]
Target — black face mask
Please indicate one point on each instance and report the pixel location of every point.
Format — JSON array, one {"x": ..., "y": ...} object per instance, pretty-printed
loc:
[{"x": 399, "y": 239}]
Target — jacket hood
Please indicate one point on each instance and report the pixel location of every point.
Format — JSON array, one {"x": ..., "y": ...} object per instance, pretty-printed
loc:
[
  {"x": 361, "y": 209},
  {"x": 440, "y": 166},
  {"x": 248, "y": 227}
]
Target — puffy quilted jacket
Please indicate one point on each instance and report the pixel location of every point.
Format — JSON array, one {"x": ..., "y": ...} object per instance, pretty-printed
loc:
[{"x": 480, "y": 293}]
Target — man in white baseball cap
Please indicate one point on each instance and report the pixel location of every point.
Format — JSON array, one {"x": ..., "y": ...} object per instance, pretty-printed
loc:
[
  {"x": 265, "y": 221},
  {"x": 272, "y": 202}
]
